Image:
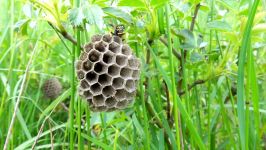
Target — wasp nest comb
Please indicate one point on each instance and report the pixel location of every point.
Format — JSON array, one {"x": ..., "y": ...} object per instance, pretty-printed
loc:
[
  {"x": 108, "y": 73},
  {"x": 51, "y": 88}
]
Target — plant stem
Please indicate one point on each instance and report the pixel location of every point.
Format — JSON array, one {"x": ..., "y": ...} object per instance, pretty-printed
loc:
[
  {"x": 102, "y": 115},
  {"x": 88, "y": 116},
  {"x": 79, "y": 101},
  {"x": 73, "y": 90},
  {"x": 171, "y": 67}
]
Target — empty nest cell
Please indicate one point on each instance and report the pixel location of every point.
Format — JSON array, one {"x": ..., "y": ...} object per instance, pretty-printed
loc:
[
  {"x": 118, "y": 83},
  {"x": 87, "y": 94},
  {"x": 100, "y": 68},
  {"x": 108, "y": 91},
  {"x": 114, "y": 47},
  {"x": 88, "y": 47},
  {"x": 96, "y": 89},
  {"x": 133, "y": 63},
  {"x": 87, "y": 65},
  {"x": 99, "y": 108},
  {"x": 110, "y": 102},
  {"x": 83, "y": 56},
  {"x": 113, "y": 70},
  {"x": 104, "y": 79},
  {"x": 89, "y": 100},
  {"x": 94, "y": 56},
  {"x": 121, "y": 60},
  {"x": 135, "y": 74},
  {"x": 121, "y": 94},
  {"x": 81, "y": 74},
  {"x": 78, "y": 64},
  {"x": 107, "y": 38},
  {"x": 96, "y": 38},
  {"x": 126, "y": 73},
  {"x": 92, "y": 77},
  {"x": 130, "y": 85},
  {"x": 121, "y": 104},
  {"x": 100, "y": 46},
  {"x": 126, "y": 50},
  {"x": 108, "y": 57},
  {"x": 84, "y": 84},
  {"x": 98, "y": 100}
]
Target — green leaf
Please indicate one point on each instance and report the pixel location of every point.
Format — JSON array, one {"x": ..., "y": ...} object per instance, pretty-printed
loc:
[
  {"x": 259, "y": 28},
  {"x": 219, "y": 25},
  {"x": 22, "y": 26},
  {"x": 230, "y": 4},
  {"x": 121, "y": 15},
  {"x": 76, "y": 16},
  {"x": 187, "y": 39},
  {"x": 135, "y": 3},
  {"x": 240, "y": 74},
  {"x": 29, "y": 142},
  {"x": 196, "y": 57},
  {"x": 54, "y": 104},
  {"x": 157, "y": 3},
  {"x": 94, "y": 15},
  {"x": 204, "y": 7}
]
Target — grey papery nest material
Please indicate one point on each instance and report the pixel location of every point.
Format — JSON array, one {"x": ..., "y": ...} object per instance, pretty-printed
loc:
[
  {"x": 108, "y": 73},
  {"x": 51, "y": 88}
]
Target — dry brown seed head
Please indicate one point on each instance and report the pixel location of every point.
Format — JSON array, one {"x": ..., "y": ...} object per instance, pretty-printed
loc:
[{"x": 52, "y": 88}]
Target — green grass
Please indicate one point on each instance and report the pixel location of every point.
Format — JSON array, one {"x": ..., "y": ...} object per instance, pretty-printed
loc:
[{"x": 202, "y": 82}]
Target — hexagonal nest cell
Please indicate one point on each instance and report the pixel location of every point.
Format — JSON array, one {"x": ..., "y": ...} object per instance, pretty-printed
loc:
[{"x": 108, "y": 73}]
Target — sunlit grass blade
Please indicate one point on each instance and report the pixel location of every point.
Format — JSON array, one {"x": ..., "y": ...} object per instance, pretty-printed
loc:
[
  {"x": 253, "y": 95},
  {"x": 22, "y": 88},
  {"x": 54, "y": 104},
  {"x": 73, "y": 91},
  {"x": 29, "y": 142},
  {"x": 172, "y": 70},
  {"x": 176, "y": 100},
  {"x": 240, "y": 78}
]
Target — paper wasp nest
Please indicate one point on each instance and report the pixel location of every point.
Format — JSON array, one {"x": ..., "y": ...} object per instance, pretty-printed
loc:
[
  {"x": 108, "y": 73},
  {"x": 51, "y": 88}
]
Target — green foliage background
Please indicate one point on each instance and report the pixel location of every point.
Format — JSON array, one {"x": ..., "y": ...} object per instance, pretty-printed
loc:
[{"x": 202, "y": 86}]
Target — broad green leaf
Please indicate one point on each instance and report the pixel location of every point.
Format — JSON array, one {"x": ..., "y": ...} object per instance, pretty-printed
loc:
[
  {"x": 219, "y": 25},
  {"x": 259, "y": 17},
  {"x": 130, "y": 3},
  {"x": 115, "y": 12},
  {"x": 76, "y": 16},
  {"x": 196, "y": 57},
  {"x": 101, "y": 3},
  {"x": 241, "y": 77},
  {"x": 22, "y": 25},
  {"x": 259, "y": 28},
  {"x": 157, "y": 3},
  {"x": 230, "y": 4},
  {"x": 160, "y": 14},
  {"x": 187, "y": 39},
  {"x": 94, "y": 15},
  {"x": 204, "y": 7},
  {"x": 18, "y": 25}
]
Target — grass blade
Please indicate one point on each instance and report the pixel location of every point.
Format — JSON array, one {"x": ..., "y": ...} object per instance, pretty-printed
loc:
[{"x": 240, "y": 73}]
